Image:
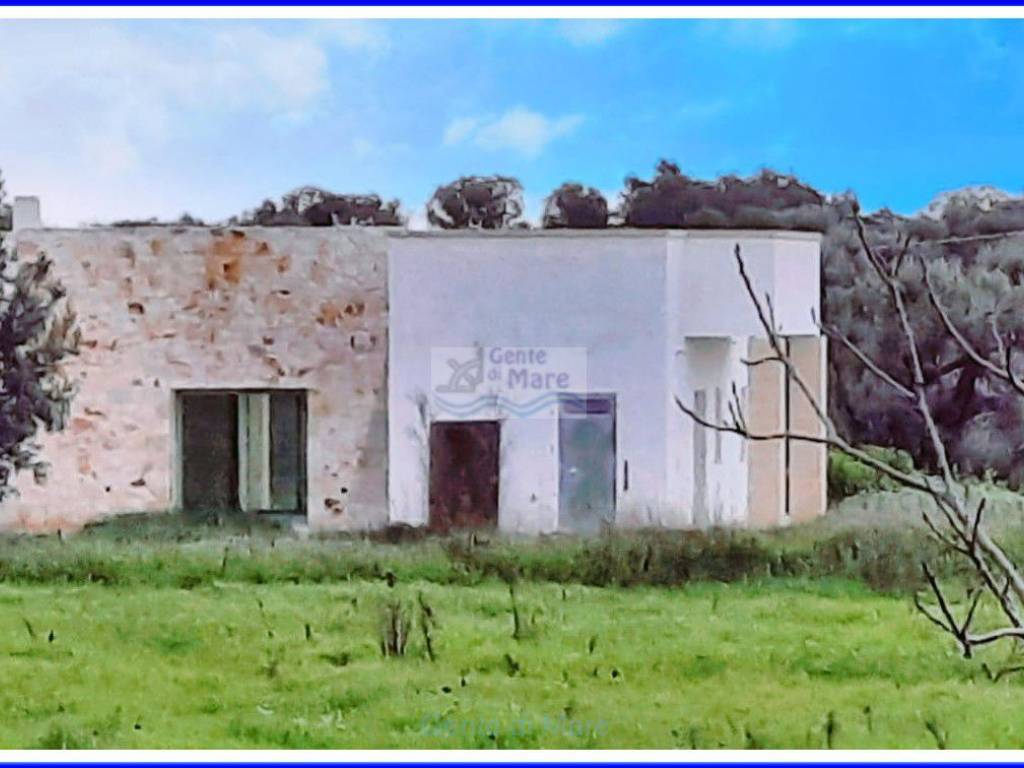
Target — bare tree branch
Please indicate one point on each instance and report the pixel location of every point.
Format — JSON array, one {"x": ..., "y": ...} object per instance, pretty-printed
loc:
[
  {"x": 957, "y": 528},
  {"x": 834, "y": 333},
  {"x": 1004, "y": 372},
  {"x": 762, "y": 361}
]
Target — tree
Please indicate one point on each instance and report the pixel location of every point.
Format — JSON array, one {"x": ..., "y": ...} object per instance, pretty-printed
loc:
[
  {"x": 573, "y": 206},
  {"x": 971, "y": 242},
  {"x": 953, "y": 517},
  {"x": 316, "y": 207},
  {"x": 37, "y": 334},
  {"x": 767, "y": 201},
  {"x": 979, "y": 275},
  {"x": 477, "y": 202}
]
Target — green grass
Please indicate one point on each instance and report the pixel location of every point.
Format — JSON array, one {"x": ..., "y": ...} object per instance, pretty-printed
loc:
[
  {"x": 784, "y": 663},
  {"x": 877, "y": 539},
  {"x": 163, "y": 632},
  {"x": 171, "y": 551}
]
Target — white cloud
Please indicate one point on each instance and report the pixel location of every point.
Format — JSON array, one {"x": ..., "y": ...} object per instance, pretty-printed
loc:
[
  {"x": 249, "y": 68},
  {"x": 89, "y": 106},
  {"x": 459, "y": 130},
  {"x": 519, "y": 130},
  {"x": 753, "y": 34},
  {"x": 584, "y": 32},
  {"x": 354, "y": 35},
  {"x": 524, "y": 131}
]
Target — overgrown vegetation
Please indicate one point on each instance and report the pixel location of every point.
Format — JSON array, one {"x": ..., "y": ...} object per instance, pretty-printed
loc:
[
  {"x": 316, "y": 207},
  {"x": 973, "y": 246},
  {"x": 881, "y": 549},
  {"x": 848, "y": 476},
  {"x": 165, "y": 631},
  {"x": 477, "y": 202},
  {"x": 954, "y": 516},
  {"x": 38, "y": 333},
  {"x": 767, "y": 201},
  {"x": 573, "y": 206},
  {"x": 396, "y": 625}
]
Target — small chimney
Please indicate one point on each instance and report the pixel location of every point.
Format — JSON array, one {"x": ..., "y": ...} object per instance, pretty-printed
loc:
[{"x": 25, "y": 214}]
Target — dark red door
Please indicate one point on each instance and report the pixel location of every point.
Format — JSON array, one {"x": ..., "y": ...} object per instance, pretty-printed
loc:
[{"x": 464, "y": 474}]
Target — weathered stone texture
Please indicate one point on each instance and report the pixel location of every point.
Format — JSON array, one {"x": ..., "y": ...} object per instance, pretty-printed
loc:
[{"x": 162, "y": 309}]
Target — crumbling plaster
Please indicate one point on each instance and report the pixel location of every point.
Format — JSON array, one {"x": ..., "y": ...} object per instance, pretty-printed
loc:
[{"x": 164, "y": 308}]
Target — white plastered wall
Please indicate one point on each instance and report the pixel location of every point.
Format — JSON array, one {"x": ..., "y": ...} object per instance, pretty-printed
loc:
[
  {"x": 711, "y": 365},
  {"x": 711, "y": 321},
  {"x": 604, "y": 293}
]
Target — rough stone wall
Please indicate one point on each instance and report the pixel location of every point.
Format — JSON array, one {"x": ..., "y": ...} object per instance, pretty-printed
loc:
[{"x": 164, "y": 308}]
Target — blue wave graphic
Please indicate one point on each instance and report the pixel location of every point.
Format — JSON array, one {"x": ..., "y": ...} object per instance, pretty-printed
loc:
[{"x": 514, "y": 407}]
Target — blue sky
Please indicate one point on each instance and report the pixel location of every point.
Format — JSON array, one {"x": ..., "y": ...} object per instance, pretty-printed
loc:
[{"x": 109, "y": 120}]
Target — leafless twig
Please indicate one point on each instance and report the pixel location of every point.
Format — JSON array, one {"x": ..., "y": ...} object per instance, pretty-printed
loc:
[{"x": 950, "y": 520}]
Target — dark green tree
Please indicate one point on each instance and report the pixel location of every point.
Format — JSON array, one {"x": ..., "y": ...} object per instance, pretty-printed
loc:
[
  {"x": 37, "y": 334},
  {"x": 573, "y": 206},
  {"x": 316, "y": 207},
  {"x": 973, "y": 247},
  {"x": 978, "y": 275},
  {"x": 955, "y": 516},
  {"x": 477, "y": 202}
]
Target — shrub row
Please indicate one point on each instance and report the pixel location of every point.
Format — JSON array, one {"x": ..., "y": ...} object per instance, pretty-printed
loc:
[{"x": 174, "y": 555}]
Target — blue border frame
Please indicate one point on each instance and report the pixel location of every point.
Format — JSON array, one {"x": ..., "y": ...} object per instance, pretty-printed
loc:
[
  {"x": 526, "y": 4},
  {"x": 440, "y": 760},
  {"x": 510, "y": 763},
  {"x": 520, "y": 4}
]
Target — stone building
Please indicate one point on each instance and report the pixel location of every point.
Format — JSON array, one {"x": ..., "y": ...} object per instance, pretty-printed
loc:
[{"x": 293, "y": 371}]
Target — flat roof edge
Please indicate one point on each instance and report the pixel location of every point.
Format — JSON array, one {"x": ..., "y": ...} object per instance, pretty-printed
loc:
[
  {"x": 401, "y": 232},
  {"x": 610, "y": 232}
]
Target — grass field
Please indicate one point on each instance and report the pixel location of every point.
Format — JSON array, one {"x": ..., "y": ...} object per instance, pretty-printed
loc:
[
  {"x": 779, "y": 664},
  {"x": 165, "y": 634}
]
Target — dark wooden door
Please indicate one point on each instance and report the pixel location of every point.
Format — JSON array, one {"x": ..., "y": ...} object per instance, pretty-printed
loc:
[
  {"x": 209, "y": 451},
  {"x": 464, "y": 467}
]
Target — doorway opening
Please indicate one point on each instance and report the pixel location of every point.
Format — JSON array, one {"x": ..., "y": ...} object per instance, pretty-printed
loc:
[
  {"x": 464, "y": 470},
  {"x": 242, "y": 451},
  {"x": 586, "y": 454}
]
